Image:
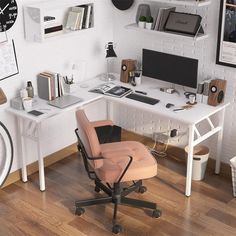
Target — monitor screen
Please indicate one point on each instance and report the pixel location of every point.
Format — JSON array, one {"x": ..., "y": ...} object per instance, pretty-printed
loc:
[{"x": 170, "y": 68}]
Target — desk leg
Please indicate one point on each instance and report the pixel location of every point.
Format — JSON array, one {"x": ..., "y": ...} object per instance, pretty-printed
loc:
[
  {"x": 190, "y": 161},
  {"x": 22, "y": 150},
  {"x": 40, "y": 160},
  {"x": 219, "y": 142},
  {"x": 110, "y": 113}
]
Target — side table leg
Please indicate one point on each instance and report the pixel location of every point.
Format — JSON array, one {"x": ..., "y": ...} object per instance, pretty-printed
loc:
[
  {"x": 190, "y": 161},
  {"x": 40, "y": 160},
  {"x": 24, "y": 175},
  {"x": 219, "y": 142}
]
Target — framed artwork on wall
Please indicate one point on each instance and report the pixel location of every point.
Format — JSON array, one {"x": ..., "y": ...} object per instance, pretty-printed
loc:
[{"x": 226, "y": 48}]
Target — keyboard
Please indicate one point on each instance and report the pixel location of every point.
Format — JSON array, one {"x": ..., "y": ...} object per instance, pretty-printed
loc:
[{"x": 144, "y": 99}]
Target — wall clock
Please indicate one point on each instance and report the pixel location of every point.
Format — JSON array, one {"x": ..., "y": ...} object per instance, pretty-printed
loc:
[
  {"x": 8, "y": 14},
  {"x": 123, "y": 4}
]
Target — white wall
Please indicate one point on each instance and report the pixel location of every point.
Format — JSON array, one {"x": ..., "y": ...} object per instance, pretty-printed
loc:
[
  {"x": 55, "y": 55},
  {"x": 130, "y": 44}
]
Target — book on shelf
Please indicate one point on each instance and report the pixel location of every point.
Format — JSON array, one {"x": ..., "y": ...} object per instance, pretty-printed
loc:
[
  {"x": 72, "y": 20},
  {"x": 80, "y": 10},
  {"x": 162, "y": 17},
  {"x": 111, "y": 90},
  {"x": 53, "y": 29}
]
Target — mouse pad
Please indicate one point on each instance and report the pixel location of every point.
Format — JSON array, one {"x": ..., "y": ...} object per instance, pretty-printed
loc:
[{"x": 35, "y": 113}]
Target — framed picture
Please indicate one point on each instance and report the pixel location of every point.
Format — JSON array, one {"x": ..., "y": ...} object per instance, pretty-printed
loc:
[{"x": 226, "y": 48}]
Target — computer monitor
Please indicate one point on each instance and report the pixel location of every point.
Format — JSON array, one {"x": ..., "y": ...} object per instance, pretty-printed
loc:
[{"x": 170, "y": 68}]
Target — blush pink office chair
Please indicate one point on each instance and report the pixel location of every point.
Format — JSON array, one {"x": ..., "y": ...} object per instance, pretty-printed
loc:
[{"x": 112, "y": 164}]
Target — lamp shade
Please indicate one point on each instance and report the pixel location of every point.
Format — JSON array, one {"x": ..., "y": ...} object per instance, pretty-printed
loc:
[{"x": 110, "y": 50}]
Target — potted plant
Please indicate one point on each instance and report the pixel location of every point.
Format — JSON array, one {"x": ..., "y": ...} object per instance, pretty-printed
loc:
[
  {"x": 142, "y": 21},
  {"x": 149, "y": 22}
]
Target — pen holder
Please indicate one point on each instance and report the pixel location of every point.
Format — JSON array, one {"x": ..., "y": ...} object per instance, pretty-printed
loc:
[{"x": 70, "y": 88}]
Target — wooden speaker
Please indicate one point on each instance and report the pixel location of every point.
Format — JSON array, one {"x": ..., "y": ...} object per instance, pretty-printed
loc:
[
  {"x": 127, "y": 65},
  {"x": 3, "y": 98},
  {"x": 216, "y": 92}
]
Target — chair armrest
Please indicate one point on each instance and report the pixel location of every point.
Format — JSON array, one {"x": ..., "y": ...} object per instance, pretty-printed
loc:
[{"x": 101, "y": 123}]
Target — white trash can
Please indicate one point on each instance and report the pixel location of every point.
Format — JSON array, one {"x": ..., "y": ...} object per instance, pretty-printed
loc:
[
  {"x": 200, "y": 158},
  {"x": 233, "y": 168}
]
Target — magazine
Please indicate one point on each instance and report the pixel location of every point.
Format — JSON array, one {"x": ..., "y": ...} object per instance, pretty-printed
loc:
[{"x": 111, "y": 90}]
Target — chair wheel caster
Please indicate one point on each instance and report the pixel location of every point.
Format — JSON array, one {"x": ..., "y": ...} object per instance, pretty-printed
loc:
[
  {"x": 156, "y": 213},
  {"x": 97, "y": 189},
  {"x": 79, "y": 211},
  {"x": 116, "y": 229},
  {"x": 142, "y": 189}
]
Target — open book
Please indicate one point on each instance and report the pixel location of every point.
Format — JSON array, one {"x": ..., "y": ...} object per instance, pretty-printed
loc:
[{"x": 111, "y": 90}]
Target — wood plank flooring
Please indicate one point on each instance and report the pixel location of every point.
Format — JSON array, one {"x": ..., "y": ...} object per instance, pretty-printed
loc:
[{"x": 24, "y": 210}]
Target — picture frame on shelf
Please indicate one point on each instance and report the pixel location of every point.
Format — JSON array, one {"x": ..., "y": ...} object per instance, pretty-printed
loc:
[{"x": 226, "y": 46}]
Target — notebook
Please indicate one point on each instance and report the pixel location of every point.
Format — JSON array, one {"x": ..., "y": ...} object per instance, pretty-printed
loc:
[{"x": 64, "y": 101}]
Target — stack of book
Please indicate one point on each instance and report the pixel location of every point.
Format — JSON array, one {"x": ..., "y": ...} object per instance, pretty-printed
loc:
[
  {"x": 162, "y": 17},
  {"x": 51, "y": 26},
  {"x": 80, "y": 17},
  {"x": 50, "y": 86}
]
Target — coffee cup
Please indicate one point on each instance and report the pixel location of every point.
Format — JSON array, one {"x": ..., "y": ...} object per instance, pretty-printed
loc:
[
  {"x": 27, "y": 103},
  {"x": 192, "y": 99}
]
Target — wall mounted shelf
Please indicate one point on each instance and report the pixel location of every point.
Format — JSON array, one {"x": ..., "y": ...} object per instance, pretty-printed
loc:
[
  {"x": 35, "y": 13},
  {"x": 167, "y": 34},
  {"x": 200, "y": 3}
]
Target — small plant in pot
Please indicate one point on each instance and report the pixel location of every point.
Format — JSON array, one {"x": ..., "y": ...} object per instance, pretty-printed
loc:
[
  {"x": 149, "y": 22},
  {"x": 142, "y": 21}
]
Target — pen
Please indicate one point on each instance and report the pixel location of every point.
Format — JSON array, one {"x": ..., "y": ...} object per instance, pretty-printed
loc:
[
  {"x": 180, "y": 109},
  {"x": 137, "y": 91}
]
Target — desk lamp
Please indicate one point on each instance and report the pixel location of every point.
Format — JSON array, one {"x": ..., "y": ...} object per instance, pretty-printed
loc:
[{"x": 110, "y": 53}]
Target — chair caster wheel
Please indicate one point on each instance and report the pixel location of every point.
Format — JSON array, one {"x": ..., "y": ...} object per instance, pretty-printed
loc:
[
  {"x": 116, "y": 229},
  {"x": 97, "y": 189},
  {"x": 156, "y": 213},
  {"x": 79, "y": 211},
  {"x": 142, "y": 189}
]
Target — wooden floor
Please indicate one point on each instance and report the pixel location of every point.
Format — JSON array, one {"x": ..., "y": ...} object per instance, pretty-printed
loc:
[{"x": 24, "y": 210}]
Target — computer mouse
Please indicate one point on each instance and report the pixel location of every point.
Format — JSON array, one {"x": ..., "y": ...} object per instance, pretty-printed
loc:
[{"x": 169, "y": 105}]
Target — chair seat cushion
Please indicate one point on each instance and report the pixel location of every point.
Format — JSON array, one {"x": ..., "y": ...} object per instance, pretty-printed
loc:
[{"x": 116, "y": 157}]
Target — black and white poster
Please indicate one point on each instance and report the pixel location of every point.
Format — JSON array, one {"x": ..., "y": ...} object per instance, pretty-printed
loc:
[{"x": 226, "y": 49}]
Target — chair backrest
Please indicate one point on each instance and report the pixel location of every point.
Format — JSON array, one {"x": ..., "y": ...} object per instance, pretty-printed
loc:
[{"x": 89, "y": 138}]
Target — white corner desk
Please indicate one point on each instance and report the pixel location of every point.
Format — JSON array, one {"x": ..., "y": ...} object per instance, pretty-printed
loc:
[{"x": 191, "y": 118}]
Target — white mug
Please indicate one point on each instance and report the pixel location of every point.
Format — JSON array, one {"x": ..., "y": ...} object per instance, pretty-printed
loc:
[
  {"x": 27, "y": 103},
  {"x": 138, "y": 80},
  {"x": 192, "y": 98}
]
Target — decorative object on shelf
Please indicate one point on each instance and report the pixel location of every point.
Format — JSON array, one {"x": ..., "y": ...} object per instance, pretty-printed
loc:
[
  {"x": 3, "y": 98},
  {"x": 110, "y": 53},
  {"x": 122, "y": 4},
  {"x": 8, "y": 60},
  {"x": 8, "y": 14},
  {"x": 185, "y": 23},
  {"x": 142, "y": 22},
  {"x": 149, "y": 22},
  {"x": 226, "y": 48},
  {"x": 143, "y": 10}
]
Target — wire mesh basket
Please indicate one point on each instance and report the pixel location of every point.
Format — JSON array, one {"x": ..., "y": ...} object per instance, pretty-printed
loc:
[{"x": 233, "y": 169}]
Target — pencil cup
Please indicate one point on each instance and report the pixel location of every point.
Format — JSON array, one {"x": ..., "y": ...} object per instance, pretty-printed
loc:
[{"x": 70, "y": 88}]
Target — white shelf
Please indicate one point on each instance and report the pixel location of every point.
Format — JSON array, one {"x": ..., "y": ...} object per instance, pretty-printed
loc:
[
  {"x": 167, "y": 34},
  {"x": 193, "y": 3},
  {"x": 34, "y": 18}
]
